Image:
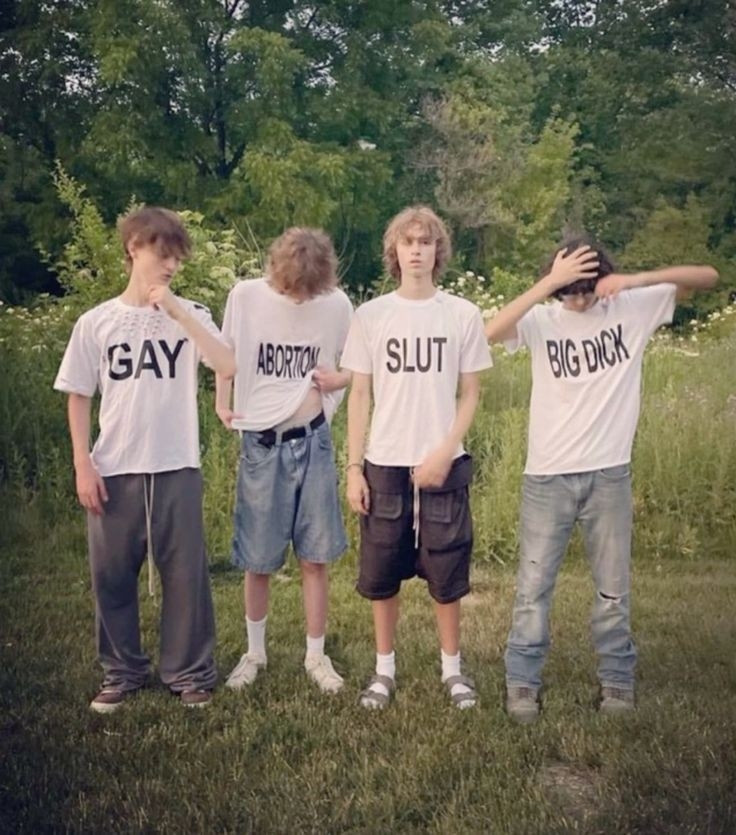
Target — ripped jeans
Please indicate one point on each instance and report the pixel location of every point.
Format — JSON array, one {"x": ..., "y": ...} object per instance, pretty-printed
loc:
[{"x": 601, "y": 502}]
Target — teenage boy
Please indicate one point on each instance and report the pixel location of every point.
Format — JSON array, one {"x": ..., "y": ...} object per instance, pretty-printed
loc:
[
  {"x": 287, "y": 330},
  {"x": 409, "y": 350},
  {"x": 586, "y": 352},
  {"x": 141, "y": 484}
]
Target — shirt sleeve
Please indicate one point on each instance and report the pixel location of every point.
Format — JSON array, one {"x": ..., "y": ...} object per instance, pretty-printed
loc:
[
  {"x": 345, "y": 320},
  {"x": 227, "y": 322},
  {"x": 524, "y": 330},
  {"x": 475, "y": 354},
  {"x": 356, "y": 355},
  {"x": 80, "y": 367},
  {"x": 204, "y": 317},
  {"x": 653, "y": 306}
]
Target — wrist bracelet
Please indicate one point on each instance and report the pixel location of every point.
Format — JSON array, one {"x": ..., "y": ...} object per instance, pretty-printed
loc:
[{"x": 354, "y": 464}]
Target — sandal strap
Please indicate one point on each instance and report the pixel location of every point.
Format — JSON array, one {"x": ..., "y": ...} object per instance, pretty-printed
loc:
[
  {"x": 453, "y": 680},
  {"x": 375, "y": 695},
  {"x": 386, "y": 681}
]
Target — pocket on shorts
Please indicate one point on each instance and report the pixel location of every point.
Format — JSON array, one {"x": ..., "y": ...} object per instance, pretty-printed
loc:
[
  {"x": 445, "y": 521},
  {"x": 253, "y": 453},
  {"x": 617, "y": 473},
  {"x": 384, "y": 524}
]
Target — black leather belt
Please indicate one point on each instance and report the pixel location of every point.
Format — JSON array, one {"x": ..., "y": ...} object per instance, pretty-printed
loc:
[{"x": 270, "y": 436}]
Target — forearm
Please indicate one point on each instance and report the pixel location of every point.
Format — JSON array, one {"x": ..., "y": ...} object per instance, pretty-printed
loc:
[
  {"x": 79, "y": 410},
  {"x": 223, "y": 391},
  {"x": 218, "y": 354},
  {"x": 687, "y": 277},
  {"x": 503, "y": 325}
]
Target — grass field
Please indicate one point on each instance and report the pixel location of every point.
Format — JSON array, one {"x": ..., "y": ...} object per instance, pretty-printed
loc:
[{"x": 283, "y": 758}]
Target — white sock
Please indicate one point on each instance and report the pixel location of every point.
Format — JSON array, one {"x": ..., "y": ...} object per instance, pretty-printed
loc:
[
  {"x": 450, "y": 665},
  {"x": 315, "y": 646},
  {"x": 256, "y": 630},
  {"x": 450, "y": 668},
  {"x": 386, "y": 664}
]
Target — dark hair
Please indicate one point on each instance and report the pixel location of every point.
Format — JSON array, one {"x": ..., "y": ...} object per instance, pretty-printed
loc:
[
  {"x": 153, "y": 225},
  {"x": 582, "y": 285}
]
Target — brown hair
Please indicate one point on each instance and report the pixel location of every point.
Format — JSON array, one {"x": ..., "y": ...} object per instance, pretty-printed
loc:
[
  {"x": 581, "y": 285},
  {"x": 154, "y": 225},
  {"x": 433, "y": 226},
  {"x": 302, "y": 260}
]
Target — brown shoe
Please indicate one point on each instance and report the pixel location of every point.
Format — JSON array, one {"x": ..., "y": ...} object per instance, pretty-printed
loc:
[
  {"x": 109, "y": 699},
  {"x": 196, "y": 698}
]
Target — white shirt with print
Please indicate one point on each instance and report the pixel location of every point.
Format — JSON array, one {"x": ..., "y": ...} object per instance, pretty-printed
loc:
[
  {"x": 278, "y": 343},
  {"x": 586, "y": 378},
  {"x": 145, "y": 367},
  {"x": 415, "y": 351}
]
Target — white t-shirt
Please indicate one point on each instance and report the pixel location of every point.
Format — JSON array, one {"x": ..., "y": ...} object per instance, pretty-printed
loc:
[
  {"x": 278, "y": 342},
  {"x": 586, "y": 378},
  {"x": 145, "y": 367},
  {"x": 415, "y": 351}
]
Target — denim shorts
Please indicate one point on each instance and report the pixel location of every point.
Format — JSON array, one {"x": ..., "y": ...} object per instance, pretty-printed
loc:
[
  {"x": 388, "y": 549},
  {"x": 287, "y": 493}
]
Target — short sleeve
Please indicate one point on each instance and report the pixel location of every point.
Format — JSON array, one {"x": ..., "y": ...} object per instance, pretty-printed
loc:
[
  {"x": 346, "y": 316},
  {"x": 227, "y": 322},
  {"x": 474, "y": 354},
  {"x": 524, "y": 333},
  {"x": 204, "y": 317},
  {"x": 356, "y": 355},
  {"x": 653, "y": 306},
  {"x": 79, "y": 369}
]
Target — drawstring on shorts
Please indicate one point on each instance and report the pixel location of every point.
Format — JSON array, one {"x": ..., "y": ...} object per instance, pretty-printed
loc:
[
  {"x": 416, "y": 505},
  {"x": 148, "y": 501}
]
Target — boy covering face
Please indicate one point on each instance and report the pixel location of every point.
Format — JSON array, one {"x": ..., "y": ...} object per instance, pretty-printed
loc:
[
  {"x": 409, "y": 351},
  {"x": 586, "y": 352},
  {"x": 141, "y": 484},
  {"x": 287, "y": 330}
]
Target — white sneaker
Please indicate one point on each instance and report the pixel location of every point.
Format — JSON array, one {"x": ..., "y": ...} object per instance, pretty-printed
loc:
[
  {"x": 245, "y": 671},
  {"x": 319, "y": 668}
]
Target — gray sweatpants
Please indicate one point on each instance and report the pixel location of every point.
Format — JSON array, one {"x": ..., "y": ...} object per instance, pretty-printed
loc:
[{"x": 117, "y": 548}]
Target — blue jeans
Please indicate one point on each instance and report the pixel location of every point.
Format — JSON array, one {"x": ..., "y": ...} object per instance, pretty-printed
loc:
[{"x": 551, "y": 505}]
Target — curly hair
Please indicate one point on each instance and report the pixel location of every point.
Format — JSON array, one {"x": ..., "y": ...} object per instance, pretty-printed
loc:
[
  {"x": 154, "y": 225},
  {"x": 432, "y": 225},
  {"x": 302, "y": 261}
]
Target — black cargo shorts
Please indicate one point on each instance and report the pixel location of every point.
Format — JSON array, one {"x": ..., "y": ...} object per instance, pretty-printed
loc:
[{"x": 388, "y": 553}]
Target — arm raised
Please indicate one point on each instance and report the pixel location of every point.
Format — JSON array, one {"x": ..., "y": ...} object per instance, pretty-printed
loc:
[{"x": 582, "y": 263}]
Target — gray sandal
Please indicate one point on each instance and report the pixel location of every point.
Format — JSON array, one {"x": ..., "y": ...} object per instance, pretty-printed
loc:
[
  {"x": 468, "y": 698},
  {"x": 374, "y": 698}
]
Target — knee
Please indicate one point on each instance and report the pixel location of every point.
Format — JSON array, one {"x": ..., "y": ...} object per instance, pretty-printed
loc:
[{"x": 313, "y": 569}]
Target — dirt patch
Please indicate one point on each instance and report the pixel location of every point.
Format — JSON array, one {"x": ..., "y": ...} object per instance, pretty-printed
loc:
[{"x": 573, "y": 789}]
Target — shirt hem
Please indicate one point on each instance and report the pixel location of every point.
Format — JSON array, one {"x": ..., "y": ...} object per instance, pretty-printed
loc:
[{"x": 575, "y": 471}]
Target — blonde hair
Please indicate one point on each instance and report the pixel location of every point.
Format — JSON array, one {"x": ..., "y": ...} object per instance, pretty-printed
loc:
[
  {"x": 432, "y": 225},
  {"x": 302, "y": 261},
  {"x": 154, "y": 225}
]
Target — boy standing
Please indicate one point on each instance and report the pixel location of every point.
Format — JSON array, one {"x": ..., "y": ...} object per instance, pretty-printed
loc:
[
  {"x": 141, "y": 484},
  {"x": 408, "y": 351},
  {"x": 287, "y": 330},
  {"x": 586, "y": 352}
]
